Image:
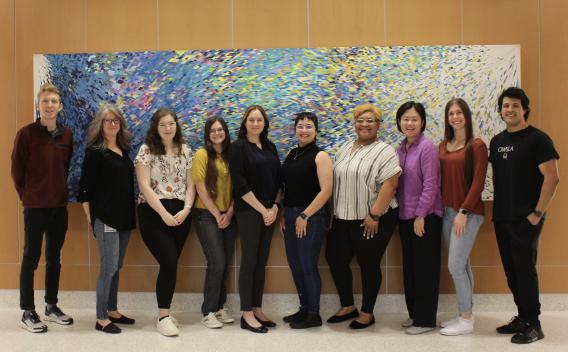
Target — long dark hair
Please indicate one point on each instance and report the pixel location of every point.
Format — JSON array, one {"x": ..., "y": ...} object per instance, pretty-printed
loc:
[
  {"x": 211, "y": 171},
  {"x": 243, "y": 128},
  {"x": 153, "y": 139},
  {"x": 449, "y": 135}
]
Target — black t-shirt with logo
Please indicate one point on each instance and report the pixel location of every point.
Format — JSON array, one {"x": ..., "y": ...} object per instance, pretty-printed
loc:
[{"x": 517, "y": 180}]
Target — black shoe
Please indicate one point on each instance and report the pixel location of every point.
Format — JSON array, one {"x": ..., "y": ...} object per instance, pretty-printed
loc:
[
  {"x": 517, "y": 324},
  {"x": 266, "y": 323},
  {"x": 355, "y": 325},
  {"x": 298, "y": 316},
  {"x": 310, "y": 321},
  {"x": 122, "y": 320},
  {"x": 530, "y": 333},
  {"x": 110, "y": 328},
  {"x": 340, "y": 318},
  {"x": 31, "y": 322},
  {"x": 246, "y": 326},
  {"x": 54, "y": 314}
]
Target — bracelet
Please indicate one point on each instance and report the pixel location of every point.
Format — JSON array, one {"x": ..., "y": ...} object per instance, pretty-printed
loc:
[{"x": 375, "y": 217}]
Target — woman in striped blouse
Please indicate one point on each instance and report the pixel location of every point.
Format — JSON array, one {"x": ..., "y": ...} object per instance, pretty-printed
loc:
[{"x": 366, "y": 175}]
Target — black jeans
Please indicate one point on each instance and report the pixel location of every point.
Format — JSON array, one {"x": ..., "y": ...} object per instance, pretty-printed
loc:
[
  {"x": 165, "y": 243},
  {"x": 218, "y": 246},
  {"x": 255, "y": 248},
  {"x": 303, "y": 254},
  {"x": 421, "y": 269},
  {"x": 518, "y": 246},
  {"x": 346, "y": 240},
  {"x": 37, "y": 221}
]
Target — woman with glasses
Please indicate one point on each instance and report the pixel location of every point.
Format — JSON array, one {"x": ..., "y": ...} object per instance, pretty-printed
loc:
[
  {"x": 213, "y": 217},
  {"x": 307, "y": 180},
  {"x": 366, "y": 175},
  {"x": 106, "y": 191},
  {"x": 163, "y": 169}
]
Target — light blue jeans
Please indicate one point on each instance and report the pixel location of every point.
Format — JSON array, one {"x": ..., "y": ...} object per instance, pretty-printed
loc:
[
  {"x": 112, "y": 247},
  {"x": 459, "y": 249}
]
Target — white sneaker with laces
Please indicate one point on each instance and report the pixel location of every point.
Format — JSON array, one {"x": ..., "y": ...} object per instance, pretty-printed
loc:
[
  {"x": 167, "y": 327},
  {"x": 449, "y": 322},
  {"x": 463, "y": 326},
  {"x": 210, "y": 321},
  {"x": 224, "y": 317}
]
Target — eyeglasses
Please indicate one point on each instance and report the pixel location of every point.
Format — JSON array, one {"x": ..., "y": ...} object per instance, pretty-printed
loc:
[
  {"x": 305, "y": 127},
  {"x": 367, "y": 120},
  {"x": 216, "y": 130},
  {"x": 115, "y": 122}
]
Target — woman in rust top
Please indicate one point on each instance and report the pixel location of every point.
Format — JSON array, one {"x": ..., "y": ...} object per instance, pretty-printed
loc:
[{"x": 463, "y": 160}]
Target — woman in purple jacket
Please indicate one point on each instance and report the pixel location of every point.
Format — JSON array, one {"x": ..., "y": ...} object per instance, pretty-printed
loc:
[{"x": 420, "y": 218}]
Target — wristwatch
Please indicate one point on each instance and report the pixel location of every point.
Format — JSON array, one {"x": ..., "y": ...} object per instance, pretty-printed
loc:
[
  {"x": 375, "y": 217},
  {"x": 463, "y": 211},
  {"x": 538, "y": 213},
  {"x": 303, "y": 216}
]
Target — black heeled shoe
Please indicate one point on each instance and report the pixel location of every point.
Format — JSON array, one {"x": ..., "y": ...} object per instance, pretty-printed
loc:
[
  {"x": 266, "y": 323},
  {"x": 246, "y": 326}
]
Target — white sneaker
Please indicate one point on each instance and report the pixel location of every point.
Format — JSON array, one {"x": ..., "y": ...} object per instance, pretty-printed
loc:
[
  {"x": 449, "y": 322},
  {"x": 407, "y": 323},
  {"x": 463, "y": 326},
  {"x": 416, "y": 330},
  {"x": 174, "y": 320},
  {"x": 224, "y": 317},
  {"x": 167, "y": 327},
  {"x": 210, "y": 321}
]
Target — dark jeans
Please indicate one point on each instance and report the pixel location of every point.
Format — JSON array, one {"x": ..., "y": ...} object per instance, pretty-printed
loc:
[
  {"x": 218, "y": 246},
  {"x": 421, "y": 269},
  {"x": 165, "y": 243},
  {"x": 303, "y": 254},
  {"x": 112, "y": 248},
  {"x": 255, "y": 248},
  {"x": 346, "y": 240},
  {"x": 37, "y": 221},
  {"x": 518, "y": 246}
]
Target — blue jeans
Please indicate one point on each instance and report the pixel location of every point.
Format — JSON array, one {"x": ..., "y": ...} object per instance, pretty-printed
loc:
[
  {"x": 303, "y": 254},
  {"x": 218, "y": 246},
  {"x": 459, "y": 249},
  {"x": 112, "y": 247}
]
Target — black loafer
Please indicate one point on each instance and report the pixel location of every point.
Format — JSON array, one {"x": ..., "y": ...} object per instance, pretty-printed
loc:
[
  {"x": 266, "y": 323},
  {"x": 311, "y": 320},
  {"x": 246, "y": 326},
  {"x": 298, "y": 316},
  {"x": 529, "y": 334},
  {"x": 122, "y": 320},
  {"x": 355, "y": 325},
  {"x": 340, "y": 318},
  {"x": 517, "y": 324},
  {"x": 110, "y": 328}
]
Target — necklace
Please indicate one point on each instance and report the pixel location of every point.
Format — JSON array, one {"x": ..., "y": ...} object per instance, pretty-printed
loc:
[{"x": 298, "y": 152}]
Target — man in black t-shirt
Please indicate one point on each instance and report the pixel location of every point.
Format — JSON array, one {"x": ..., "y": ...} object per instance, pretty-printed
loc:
[{"x": 525, "y": 177}]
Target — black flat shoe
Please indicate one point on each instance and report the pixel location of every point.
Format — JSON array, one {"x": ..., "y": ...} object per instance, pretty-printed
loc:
[
  {"x": 355, "y": 325},
  {"x": 110, "y": 328},
  {"x": 246, "y": 326},
  {"x": 340, "y": 318},
  {"x": 122, "y": 320},
  {"x": 311, "y": 320},
  {"x": 266, "y": 323},
  {"x": 298, "y": 316}
]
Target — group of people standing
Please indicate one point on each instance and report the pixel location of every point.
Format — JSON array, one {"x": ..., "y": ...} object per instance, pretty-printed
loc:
[{"x": 354, "y": 201}]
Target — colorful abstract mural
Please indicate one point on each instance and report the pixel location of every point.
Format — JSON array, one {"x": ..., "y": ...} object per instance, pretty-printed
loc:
[{"x": 328, "y": 81}]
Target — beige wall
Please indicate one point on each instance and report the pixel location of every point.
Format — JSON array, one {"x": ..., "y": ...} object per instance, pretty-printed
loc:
[{"x": 66, "y": 26}]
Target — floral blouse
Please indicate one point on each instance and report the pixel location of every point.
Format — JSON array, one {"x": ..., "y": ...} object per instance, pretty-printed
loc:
[{"x": 168, "y": 173}]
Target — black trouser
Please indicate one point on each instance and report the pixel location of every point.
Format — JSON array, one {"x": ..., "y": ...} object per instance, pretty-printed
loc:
[
  {"x": 37, "y": 221},
  {"x": 346, "y": 240},
  {"x": 255, "y": 248},
  {"x": 165, "y": 243},
  {"x": 421, "y": 269},
  {"x": 518, "y": 246}
]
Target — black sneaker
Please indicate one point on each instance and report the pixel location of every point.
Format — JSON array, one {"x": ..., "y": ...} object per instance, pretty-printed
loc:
[
  {"x": 311, "y": 320},
  {"x": 32, "y": 322},
  {"x": 298, "y": 316},
  {"x": 530, "y": 333},
  {"x": 55, "y": 315},
  {"x": 517, "y": 324}
]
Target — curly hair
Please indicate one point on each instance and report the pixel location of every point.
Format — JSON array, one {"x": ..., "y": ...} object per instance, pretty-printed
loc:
[{"x": 153, "y": 139}]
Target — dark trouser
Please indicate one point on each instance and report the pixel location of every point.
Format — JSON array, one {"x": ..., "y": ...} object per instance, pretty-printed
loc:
[
  {"x": 37, "y": 221},
  {"x": 421, "y": 269},
  {"x": 218, "y": 246},
  {"x": 518, "y": 246},
  {"x": 345, "y": 240},
  {"x": 165, "y": 243},
  {"x": 303, "y": 254},
  {"x": 255, "y": 248}
]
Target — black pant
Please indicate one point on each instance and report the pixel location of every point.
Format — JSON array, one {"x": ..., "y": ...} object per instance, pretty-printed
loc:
[
  {"x": 37, "y": 221},
  {"x": 255, "y": 248},
  {"x": 421, "y": 269},
  {"x": 518, "y": 246},
  {"x": 165, "y": 243},
  {"x": 346, "y": 240}
]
